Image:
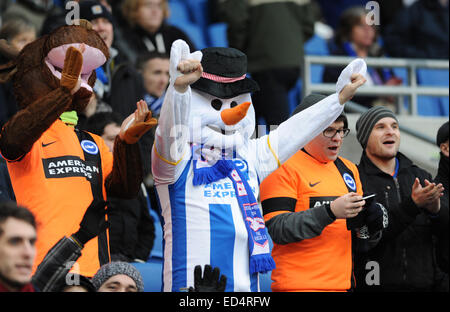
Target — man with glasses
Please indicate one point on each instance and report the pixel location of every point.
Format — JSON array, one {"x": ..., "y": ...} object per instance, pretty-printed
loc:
[{"x": 306, "y": 203}]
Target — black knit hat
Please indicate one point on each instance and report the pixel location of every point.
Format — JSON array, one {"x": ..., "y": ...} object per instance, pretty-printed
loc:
[
  {"x": 90, "y": 10},
  {"x": 84, "y": 282},
  {"x": 312, "y": 99},
  {"x": 442, "y": 134},
  {"x": 367, "y": 121},
  {"x": 224, "y": 73}
]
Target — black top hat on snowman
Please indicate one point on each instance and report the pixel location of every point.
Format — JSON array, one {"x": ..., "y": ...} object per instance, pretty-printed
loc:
[{"x": 224, "y": 73}]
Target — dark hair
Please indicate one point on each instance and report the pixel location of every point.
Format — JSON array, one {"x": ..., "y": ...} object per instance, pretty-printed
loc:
[
  {"x": 14, "y": 25},
  {"x": 96, "y": 123},
  {"x": 147, "y": 56},
  {"x": 85, "y": 282},
  {"x": 349, "y": 19},
  {"x": 10, "y": 209}
]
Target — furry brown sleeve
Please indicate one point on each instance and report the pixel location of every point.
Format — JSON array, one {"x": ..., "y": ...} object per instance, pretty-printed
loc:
[
  {"x": 126, "y": 176},
  {"x": 26, "y": 126}
]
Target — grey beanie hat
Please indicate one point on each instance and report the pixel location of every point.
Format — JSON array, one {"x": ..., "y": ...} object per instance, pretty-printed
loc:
[
  {"x": 115, "y": 268},
  {"x": 367, "y": 121}
]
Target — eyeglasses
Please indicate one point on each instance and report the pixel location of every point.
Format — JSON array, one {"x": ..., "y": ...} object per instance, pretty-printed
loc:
[{"x": 330, "y": 132}]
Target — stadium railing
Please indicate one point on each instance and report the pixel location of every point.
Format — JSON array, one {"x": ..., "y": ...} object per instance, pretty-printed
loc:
[{"x": 412, "y": 90}]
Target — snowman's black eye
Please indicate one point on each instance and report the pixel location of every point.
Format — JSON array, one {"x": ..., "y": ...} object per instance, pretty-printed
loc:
[
  {"x": 216, "y": 104},
  {"x": 233, "y": 104}
]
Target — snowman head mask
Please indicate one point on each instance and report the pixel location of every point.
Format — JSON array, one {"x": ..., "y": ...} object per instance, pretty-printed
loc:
[{"x": 222, "y": 114}]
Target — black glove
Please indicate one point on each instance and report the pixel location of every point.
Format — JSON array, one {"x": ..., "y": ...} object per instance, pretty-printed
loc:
[
  {"x": 93, "y": 222},
  {"x": 376, "y": 217},
  {"x": 210, "y": 281},
  {"x": 358, "y": 221}
]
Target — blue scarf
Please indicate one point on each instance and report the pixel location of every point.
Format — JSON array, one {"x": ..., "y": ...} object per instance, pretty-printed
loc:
[
  {"x": 154, "y": 104},
  {"x": 258, "y": 242},
  {"x": 373, "y": 73}
]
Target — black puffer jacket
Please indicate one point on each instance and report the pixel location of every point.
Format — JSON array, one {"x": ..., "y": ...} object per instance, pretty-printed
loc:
[{"x": 405, "y": 253}]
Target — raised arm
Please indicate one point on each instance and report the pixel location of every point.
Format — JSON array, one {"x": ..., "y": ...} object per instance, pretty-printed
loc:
[
  {"x": 298, "y": 130},
  {"x": 26, "y": 126},
  {"x": 172, "y": 134}
]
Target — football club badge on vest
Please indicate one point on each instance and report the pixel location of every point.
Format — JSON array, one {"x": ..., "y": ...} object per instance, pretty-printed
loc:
[
  {"x": 349, "y": 181},
  {"x": 89, "y": 147}
]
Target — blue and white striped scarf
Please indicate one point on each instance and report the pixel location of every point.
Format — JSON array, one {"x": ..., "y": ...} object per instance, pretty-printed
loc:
[{"x": 208, "y": 171}]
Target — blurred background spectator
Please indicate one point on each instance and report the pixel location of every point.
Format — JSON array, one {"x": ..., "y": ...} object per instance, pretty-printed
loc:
[
  {"x": 154, "y": 68},
  {"x": 18, "y": 31},
  {"x": 355, "y": 37},
  {"x": 33, "y": 10},
  {"x": 146, "y": 26},
  {"x": 272, "y": 35},
  {"x": 420, "y": 31}
]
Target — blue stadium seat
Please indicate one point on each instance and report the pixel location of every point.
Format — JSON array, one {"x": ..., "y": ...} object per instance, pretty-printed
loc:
[
  {"x": 433, "y": 105},
  {"x": 402, "y": 73},
  {"x": 199, "y": 10},
  {"x": 151, "y": 272},
  {"x": 194, "y": 32},
  {"x": 316, "y": 46},
  {"x": 178, "y": 12},
  {"x": 157, "y": 250},
  {"x": 217, "y": 35}
]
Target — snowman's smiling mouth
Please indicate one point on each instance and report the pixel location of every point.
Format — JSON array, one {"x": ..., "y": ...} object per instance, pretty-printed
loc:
[{"x": 222, "y": 131}]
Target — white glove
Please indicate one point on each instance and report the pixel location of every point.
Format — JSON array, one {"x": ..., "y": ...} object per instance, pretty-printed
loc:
[
  {"x": 178, "y": 52},
  {"x": 358, "y": 66}
]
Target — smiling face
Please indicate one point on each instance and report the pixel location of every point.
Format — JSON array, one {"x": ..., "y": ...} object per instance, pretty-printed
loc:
[
  {"x": 208, "y": 127},
  {"x": 384, "y": 140},
  {"x": 17, "y": 252}
]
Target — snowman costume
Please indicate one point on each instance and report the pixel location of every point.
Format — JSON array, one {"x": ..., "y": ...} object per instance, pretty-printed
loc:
[{"x": 210, "y": 211}]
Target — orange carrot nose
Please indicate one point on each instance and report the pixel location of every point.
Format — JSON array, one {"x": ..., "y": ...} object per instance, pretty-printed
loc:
[{"x": 232, "y": 116}]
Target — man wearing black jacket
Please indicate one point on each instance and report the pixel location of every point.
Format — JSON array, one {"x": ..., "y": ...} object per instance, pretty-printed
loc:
[
  {"x": 442, "y": 177},
  {"x": 404, "y": 257}
]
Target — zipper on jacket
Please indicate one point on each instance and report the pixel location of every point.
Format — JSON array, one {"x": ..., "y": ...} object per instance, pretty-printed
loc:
[
  {"x": 397, "y": 188},
  {"x": 386, "y": 198},
  {"x": 405, "y": 263},
  {"x": 404, "y": 258}
]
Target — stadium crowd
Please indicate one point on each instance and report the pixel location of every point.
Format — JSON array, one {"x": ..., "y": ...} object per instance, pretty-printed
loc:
[{"x": 407, "y": 222}]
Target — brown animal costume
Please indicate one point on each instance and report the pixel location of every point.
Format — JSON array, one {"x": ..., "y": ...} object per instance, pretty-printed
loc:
[{"x": 56, "y": 171}]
